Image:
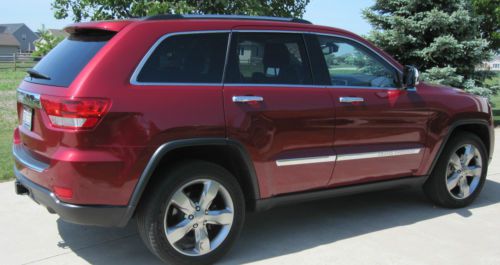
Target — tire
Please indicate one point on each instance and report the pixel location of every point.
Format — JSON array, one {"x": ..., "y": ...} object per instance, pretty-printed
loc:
[
  {"x": 165, "y": 208},
  {"x": 452, "y": 168}
]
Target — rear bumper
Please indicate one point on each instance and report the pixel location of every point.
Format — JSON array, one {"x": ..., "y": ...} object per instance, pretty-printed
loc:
[{"x": 98, "y": 215}]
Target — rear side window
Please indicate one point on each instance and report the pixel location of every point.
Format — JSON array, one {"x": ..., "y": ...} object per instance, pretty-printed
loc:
[
  {"x": 268, "y": 58},
  {"x": 63, "y": 63},
  {"x": 187, "y": 58}
]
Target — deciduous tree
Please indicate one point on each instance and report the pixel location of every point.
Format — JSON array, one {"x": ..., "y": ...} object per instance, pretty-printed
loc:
[{"x": 80, "y": 10}]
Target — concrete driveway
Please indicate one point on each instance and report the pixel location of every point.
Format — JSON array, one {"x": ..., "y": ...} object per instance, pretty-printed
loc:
[{"x": 391, "y": 227}]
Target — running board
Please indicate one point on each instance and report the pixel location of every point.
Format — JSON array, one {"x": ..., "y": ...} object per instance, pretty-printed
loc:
[{"x": 266, "y": 204}]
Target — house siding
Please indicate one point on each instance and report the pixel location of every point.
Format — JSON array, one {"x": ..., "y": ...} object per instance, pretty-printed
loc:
[
  {"x": 26, "y": 38},
  {"x": 7, "y": 51}
]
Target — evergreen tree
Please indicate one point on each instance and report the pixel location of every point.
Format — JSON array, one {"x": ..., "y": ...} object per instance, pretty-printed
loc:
[{"x": 440, "y": 37}]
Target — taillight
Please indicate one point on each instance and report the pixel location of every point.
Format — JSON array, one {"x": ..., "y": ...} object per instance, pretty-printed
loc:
[{"x": 79, "y": 113}]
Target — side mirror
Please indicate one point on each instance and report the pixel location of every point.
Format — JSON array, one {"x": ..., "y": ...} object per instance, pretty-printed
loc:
[
  {"x": 410, "y": 77},
  {"x": 329, "y": 48}
]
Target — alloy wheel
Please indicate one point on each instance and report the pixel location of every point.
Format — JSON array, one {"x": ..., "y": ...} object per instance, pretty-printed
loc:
[
  {"x": 198, "y": 217},
  {"x": 464, "y": 171}
]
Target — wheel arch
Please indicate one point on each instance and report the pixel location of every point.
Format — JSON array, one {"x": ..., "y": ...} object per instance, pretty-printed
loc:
[
  {"x": 242, "y": 168},
  {"x": 479, "y": 127}
]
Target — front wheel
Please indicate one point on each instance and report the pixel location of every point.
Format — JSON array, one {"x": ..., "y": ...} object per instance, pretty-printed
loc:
[
  {"x": 193, "y": 215},
  {"x": 460, "y": 172}
]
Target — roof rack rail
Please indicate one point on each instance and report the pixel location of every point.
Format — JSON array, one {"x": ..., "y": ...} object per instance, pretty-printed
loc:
[{"x": 244, "y": 17}]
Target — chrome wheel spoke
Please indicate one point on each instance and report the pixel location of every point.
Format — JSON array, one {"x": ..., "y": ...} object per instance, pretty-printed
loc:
[
  {"x": 473, "y": 171},
  {"x": 453, "y": 180},
  {"x": 469, "y": 153},
  {"x": 222, "y": 217},
  {"x": 210, "y": 190},
  {"x": 464, "y": 171},
  {"x": 455, "y": 161},
  {"x": 202, "y": 242},
  {"x": 196, "y": 228},
  {"x": 464, "y": 189},
  {"x": 179, "y": 231},
  {"x": 182, "y": 201}
]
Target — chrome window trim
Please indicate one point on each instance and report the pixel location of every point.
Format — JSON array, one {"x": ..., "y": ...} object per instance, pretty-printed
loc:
[
  {"x": 133, "y": 78},
  {"x": 138, "y": 68},
  {"x": 378, "y": 154},
  {"x": 305, "y": 86},
  {"x": 305, "y": 160},
  {"x": 271, "y": 85},
  {"x": 28, "y": 98}
]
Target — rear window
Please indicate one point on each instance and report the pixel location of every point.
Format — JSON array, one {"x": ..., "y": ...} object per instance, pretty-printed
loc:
[
  {"x": 68, "y": 58},
  {"x": 187, "y": 58}
]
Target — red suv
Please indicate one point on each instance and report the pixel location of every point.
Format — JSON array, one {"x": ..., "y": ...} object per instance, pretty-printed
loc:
[{"x": 188, "y": 122}]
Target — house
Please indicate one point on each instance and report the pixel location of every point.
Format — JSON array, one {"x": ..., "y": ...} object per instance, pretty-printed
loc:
[
  {"x": 24, "y": 35},
  {"x": 58, "y": 33},
  {"x": 8, "y": 46},
  {"x": 492, "y": 65}
]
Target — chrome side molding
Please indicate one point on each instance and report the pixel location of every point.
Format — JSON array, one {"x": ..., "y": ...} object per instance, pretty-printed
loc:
[
  {"x": 346, "y": 157},
  {"x": 412, "y": 151},
  {"x": 305, "y": 160}
]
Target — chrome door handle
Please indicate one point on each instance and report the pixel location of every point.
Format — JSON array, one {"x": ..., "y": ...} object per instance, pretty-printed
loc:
[
  {"x": 351, "y": 99},
  {"x": 245, "y": 99}
]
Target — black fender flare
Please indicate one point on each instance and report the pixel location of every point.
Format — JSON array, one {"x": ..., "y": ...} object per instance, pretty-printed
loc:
[
  {"x": 452, "y": 129},
  {"x": 176, "y": 144}
]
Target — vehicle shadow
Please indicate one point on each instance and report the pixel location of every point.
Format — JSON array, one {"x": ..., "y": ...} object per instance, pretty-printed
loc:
[{"x": 283, "y": 230}]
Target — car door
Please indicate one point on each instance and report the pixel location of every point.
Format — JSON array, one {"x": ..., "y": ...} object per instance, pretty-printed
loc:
[
  {"x": 380, "y": 130},
  {"x": 274, "y": 109}
]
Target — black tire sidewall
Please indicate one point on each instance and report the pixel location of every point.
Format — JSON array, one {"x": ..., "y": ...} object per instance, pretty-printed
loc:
[
  {"x": 158, "y": 200},
  {"x": 436, "y": 187}
]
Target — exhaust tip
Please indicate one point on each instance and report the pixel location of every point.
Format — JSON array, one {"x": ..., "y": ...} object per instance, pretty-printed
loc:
[
  {"x": 50, "y": 210},
  {"x": 20, "y": 189}
]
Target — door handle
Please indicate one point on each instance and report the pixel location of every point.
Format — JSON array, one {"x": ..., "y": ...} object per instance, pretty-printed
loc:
[
  {"x": 351, "y": 99},
  {"x": 246, "y": 99}
]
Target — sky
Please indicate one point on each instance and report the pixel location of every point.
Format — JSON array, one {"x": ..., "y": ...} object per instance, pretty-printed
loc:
[{"x": 334, "y": 13}]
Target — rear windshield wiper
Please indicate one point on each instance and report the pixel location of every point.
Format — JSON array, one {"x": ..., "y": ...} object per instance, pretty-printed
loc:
[{"x": 36, "y": 74}]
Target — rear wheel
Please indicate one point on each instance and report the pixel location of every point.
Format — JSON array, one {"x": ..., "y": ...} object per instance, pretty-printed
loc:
[
  {"x": 193, "y": 215},
  {"x": 460, "y": 172}
]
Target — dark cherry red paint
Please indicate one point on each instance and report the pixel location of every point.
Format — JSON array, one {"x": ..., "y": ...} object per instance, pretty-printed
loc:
[{"x": 102, "y": 166}]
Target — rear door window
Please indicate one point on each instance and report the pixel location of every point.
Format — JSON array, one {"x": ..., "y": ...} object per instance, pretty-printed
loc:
[
  {"x": 63, "y": 63},
  {"x": 268, "y": 58},
  {"x": 187, "y": 58}
]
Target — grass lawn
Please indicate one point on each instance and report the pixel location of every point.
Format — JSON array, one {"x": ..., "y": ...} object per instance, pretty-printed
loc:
[
  {"x": 9, "y": 80},
  {"x": 495, "y": 81}
]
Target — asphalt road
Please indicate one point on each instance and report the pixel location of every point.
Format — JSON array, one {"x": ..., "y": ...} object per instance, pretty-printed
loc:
[{"x": 390, "y": 227}]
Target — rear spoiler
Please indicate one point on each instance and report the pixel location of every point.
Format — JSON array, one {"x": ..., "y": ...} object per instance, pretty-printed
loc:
[{"x": 112, "y": 26}]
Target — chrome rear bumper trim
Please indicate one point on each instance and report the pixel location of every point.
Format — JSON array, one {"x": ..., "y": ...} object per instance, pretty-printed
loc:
[{"x": 23, "y": 157}]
